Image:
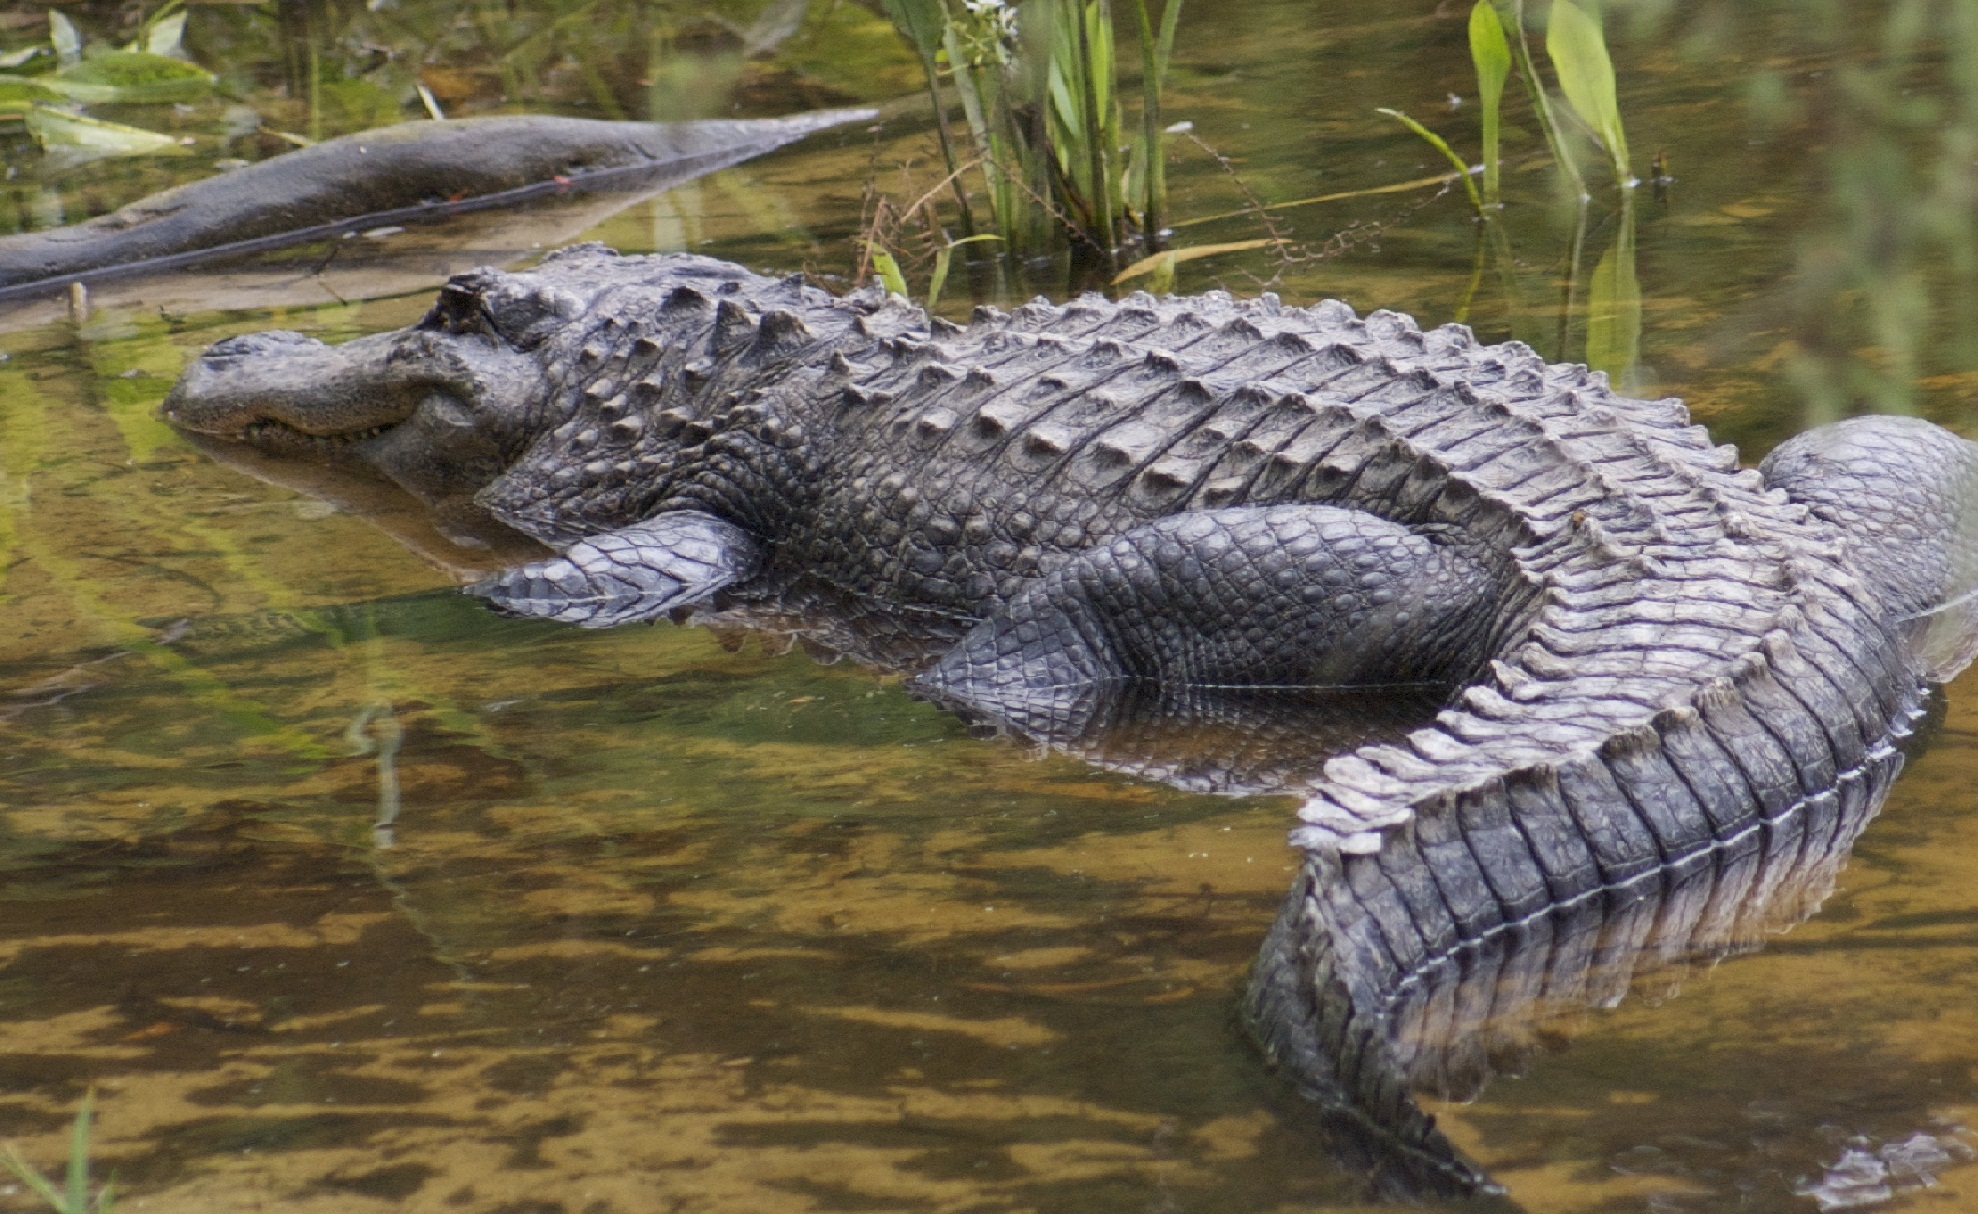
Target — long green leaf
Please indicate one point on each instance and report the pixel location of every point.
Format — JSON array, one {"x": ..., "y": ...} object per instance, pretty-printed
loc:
[
  {"x": 31, "y": 1177},
  {"x": 1578, "y": 51},
  {"x": 1439, "y": 144},
  {"x": 1491, "y": 52}
]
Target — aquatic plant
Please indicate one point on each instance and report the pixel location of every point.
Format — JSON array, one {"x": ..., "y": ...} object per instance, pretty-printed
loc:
[
  {"x": 1039, "y": 86},
  {"x": 1577, "y": 48},
  {"x": 151, "y": 69},
  {"x": 73, "y": 1197}
]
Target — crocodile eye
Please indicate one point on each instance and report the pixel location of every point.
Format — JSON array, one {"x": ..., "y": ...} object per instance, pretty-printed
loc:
[{"x": 459, "y": 310}]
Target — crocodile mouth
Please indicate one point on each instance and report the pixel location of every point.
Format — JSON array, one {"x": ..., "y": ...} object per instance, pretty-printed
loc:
[
  {"x": 285, "y": 391},
  {"x": 273, "y": 433}
]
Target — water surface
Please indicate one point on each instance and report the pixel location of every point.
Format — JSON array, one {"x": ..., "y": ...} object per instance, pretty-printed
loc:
[{"x": 663, "y": 923}]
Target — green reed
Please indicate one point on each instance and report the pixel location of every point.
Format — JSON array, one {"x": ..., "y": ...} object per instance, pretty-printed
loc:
[
  {"x": 1040, "y": 89},
  {"x": 73, "y": 1197}
]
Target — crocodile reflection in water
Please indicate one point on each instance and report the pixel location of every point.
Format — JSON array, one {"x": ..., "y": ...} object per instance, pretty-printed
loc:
[{"x": 1359, "y": 1019}]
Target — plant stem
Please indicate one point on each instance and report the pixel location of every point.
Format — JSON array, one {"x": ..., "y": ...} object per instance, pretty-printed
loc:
[
  {"x": 1547, "y": 120},
  {"x": 1153, "y": 70},
  {"x": 1096, "y": 152}
]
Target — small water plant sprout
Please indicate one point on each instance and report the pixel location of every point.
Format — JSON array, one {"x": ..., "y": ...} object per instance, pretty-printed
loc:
[{"x": 73, "y": 1197}]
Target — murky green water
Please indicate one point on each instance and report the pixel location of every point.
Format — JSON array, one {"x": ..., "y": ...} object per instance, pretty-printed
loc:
[{"x": 665, "y": 925}]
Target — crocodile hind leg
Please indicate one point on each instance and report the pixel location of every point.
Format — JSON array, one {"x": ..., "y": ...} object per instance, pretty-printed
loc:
[
  {"x": 1263, "y": 596},
  {"x": 635, "y": 573}
]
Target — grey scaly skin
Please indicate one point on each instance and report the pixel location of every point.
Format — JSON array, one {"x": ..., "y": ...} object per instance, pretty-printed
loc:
[{"x": 1646, "y": 655}]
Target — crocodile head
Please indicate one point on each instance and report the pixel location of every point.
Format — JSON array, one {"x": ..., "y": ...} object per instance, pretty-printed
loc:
[{"x": 442, "y": 407}]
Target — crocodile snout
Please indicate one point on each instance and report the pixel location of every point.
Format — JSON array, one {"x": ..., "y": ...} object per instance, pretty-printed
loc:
[{"x": 277, "y": 389}]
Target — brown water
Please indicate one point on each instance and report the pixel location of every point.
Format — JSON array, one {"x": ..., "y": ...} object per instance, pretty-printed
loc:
[{"x": 667, "y": 926}]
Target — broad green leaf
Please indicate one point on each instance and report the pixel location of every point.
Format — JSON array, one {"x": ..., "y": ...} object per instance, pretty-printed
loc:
[
  {"x": 133, "y": 78},
  {"x": 920, "y": 20},
  {"x": 1436, "y": 141},
  {"x": 1578, "y": 51},
  {"x": 889, "y": 272},
  {"x": 66, "y": 41},
  {"x": 1491, "y": 53},
  {"x": 54, "y": 129},
  {"x": 17, "y": 93}
]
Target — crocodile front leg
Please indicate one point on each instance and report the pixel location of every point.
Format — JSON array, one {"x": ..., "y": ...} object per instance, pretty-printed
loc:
[
  {"x": 635, "y": 573},
  {"x": 1268, "y": 596}
]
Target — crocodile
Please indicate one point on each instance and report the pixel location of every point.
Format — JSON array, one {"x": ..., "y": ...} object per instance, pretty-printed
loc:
[{"x": 1642, "y": 658}]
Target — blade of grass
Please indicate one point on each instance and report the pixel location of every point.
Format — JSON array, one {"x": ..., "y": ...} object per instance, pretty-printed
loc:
[
  {"x": 78, "y": 1174},
  {"x": 30, "y": 1176},
  {"x": 1436, "y": 141},
  {"x": 1169, "y": 258},
  {"x": 1399, "y": 187},
  {"x": 1491, "y": 53},
  {"x": 941, "y": 261}
]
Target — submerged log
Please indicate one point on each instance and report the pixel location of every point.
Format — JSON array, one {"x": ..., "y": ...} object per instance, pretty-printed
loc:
[{"x": 411, "y": 172}]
